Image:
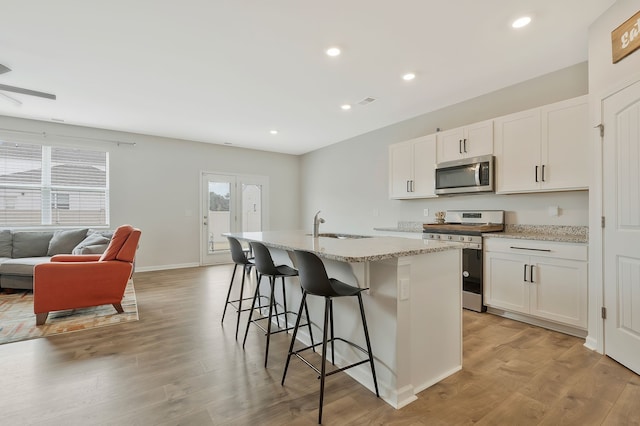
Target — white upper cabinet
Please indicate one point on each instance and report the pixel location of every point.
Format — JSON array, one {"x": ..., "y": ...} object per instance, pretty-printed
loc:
[
  {"x": 411, "y": 168},
  {"x": 543, "y": 149},
  {"x": 465, "y": 142}
]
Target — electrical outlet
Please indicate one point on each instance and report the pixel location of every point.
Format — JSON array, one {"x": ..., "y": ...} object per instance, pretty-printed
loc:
[
  {"x": 425, "y": 212},
  {"x": 405, "y": 290}
]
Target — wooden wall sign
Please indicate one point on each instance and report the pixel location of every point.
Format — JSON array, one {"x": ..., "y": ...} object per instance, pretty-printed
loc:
[{"x": 626, "y": 38}]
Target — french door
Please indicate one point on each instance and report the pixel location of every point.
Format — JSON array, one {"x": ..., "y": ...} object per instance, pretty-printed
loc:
[
  {"x": 230, "y": 203},
  {"x": 621, "y": 207}
]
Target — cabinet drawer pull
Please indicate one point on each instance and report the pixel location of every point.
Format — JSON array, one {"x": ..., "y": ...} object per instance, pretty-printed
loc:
[
  {"x": 525, "y": 273},
  {"x": 531, "y": 273},
  {"x": 533, "y": 249}
]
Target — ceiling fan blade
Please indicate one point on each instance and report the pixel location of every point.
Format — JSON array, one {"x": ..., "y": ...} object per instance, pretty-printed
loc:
[
  {"x": 4, "y": 69},
  {"x": 27, "y": 91}
]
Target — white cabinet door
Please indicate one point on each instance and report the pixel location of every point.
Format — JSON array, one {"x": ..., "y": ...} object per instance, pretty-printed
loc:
[
  {"x": 424, "y": 162},
  {"x": 504, "y": 285},
  {"x": 517, "y": 151},
  {"x": 559, "y": 290},
  {"x": 543, "y": 149},
  {"x": 449, "y": 145},
  {"x": 411, "y": 168},
  {"x": 565, "y": 145},
  {"x": 479, "y": 139},
  {"x": 465, "y": 142},
  {"x": 400, "y": 169}
]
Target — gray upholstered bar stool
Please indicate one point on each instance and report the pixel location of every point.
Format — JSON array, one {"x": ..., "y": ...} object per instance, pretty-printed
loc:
[
  {"x": 265, "y": 266},
  {"x": 314, "y": 281},
  {"x": 239, "y": 257}
]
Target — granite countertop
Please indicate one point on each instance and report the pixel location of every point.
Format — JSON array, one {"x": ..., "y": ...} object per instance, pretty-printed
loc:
[
  {"x": 557, "y": 233},
  {"x": 353, "y": 250}
]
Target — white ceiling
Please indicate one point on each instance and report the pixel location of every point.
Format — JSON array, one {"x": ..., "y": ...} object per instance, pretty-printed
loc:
[{"x": 229, "y": 71}]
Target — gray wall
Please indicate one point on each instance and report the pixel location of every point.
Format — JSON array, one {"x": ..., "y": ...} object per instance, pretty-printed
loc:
[
  {"x": 155, "y": 185},
  {"x": 348, "y": 181}
]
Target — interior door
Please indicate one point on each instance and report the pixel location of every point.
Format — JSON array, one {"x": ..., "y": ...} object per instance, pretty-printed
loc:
[
  {"x": 230, "y": 203},
  {"x": 621, "y": 198}
]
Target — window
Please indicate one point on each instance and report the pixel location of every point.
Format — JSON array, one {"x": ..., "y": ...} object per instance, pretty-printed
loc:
[{"x": 45, "y": 185}]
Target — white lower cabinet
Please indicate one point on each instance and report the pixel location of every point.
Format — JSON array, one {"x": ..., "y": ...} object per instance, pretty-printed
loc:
[{"x": 547, "y": 280}]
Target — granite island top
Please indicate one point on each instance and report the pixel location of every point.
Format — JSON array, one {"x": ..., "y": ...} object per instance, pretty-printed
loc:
[{"x": 358, "y": 249}]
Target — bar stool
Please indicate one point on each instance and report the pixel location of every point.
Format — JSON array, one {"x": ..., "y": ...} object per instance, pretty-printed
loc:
[
  {"x": 265, "y": 266},
  {"x": 239, "y": 257},
  {"x": 314, "y": 281}
]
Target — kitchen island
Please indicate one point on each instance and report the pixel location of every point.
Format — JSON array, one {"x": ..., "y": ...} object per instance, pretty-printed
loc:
[{"x": 413, "y": 305}]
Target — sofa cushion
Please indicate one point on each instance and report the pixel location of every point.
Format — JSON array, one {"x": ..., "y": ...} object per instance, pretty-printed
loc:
[
  {"x": 93, "y": 244},
  {"x": 30, "y": 244},
  {"x": 63, "y": 242},
  {"x": 22, "y": 266},
  {"x": 6, "y": 243}
]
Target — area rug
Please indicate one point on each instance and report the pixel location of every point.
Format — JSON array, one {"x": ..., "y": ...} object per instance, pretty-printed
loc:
[{"x": 18, "y": 322}]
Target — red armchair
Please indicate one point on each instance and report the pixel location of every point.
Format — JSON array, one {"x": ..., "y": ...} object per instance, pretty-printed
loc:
[{"x": 80, "y": 281}]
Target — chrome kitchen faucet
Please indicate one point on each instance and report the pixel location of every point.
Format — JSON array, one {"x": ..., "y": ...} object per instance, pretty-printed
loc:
[{"x": 316, "y": 224}]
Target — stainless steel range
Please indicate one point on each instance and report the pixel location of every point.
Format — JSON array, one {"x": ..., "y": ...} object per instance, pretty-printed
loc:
[{"x": 467, "y": 227}]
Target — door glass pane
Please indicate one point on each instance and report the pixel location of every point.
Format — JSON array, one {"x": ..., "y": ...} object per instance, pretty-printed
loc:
[
  {"x": 219, "y": 217},
  {"x": 251, "y": 208}
]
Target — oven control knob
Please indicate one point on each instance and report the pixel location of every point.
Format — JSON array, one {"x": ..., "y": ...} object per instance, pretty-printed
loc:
[
  {"x": 465, "y": 274},
  {"x": 469, "y": 238},
  {"x": 449, "y": 237},
  {"x": 461, "y": 238},
  {"x": 436, "y": 236}
]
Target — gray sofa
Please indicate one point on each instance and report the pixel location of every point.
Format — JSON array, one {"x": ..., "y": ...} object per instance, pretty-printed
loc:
[{"x": 20, "y": 251}]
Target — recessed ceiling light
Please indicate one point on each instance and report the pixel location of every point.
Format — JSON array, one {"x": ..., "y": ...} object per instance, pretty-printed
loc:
[
  {"x": 273, "y": 132},
  {"x": 521, "y": 22},
  {"x": 346, "y": 107},
  {"x": 333, "y": 51},
  {"x": 409, "y": 76}
]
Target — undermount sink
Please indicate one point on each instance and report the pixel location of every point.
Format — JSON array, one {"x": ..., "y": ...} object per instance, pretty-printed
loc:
[{"x": 340, "y": 236}]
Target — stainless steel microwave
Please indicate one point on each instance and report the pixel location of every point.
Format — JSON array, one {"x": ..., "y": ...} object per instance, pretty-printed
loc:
[{"x": 468, "y": 175}]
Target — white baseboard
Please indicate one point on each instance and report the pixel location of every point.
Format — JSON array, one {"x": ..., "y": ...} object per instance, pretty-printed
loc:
[
  {"x": 165, "y": 267},
  {"x": 591, "y": 343},
  {"x": 566, "y": 329}
]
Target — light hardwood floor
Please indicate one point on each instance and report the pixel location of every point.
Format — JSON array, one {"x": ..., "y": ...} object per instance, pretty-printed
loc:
[{"x": 179, "y": 365}]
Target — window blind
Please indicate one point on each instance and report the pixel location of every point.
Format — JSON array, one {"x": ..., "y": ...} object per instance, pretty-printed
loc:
[{"x": 46, "y": 185}]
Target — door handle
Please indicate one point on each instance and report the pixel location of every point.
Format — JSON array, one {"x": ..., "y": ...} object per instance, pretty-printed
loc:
[
  {"x": 464, "y": 145},
  {"x": 460, "y": 146},
  {"x": 536, "y": 173},
  {"x": 525, "y": 273},
  {"x": 542, "y": 178},
  {"x": 531, "y": 273},
  {"x": 408, "y": 190},
  {"x": 413, "y": 186}
]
